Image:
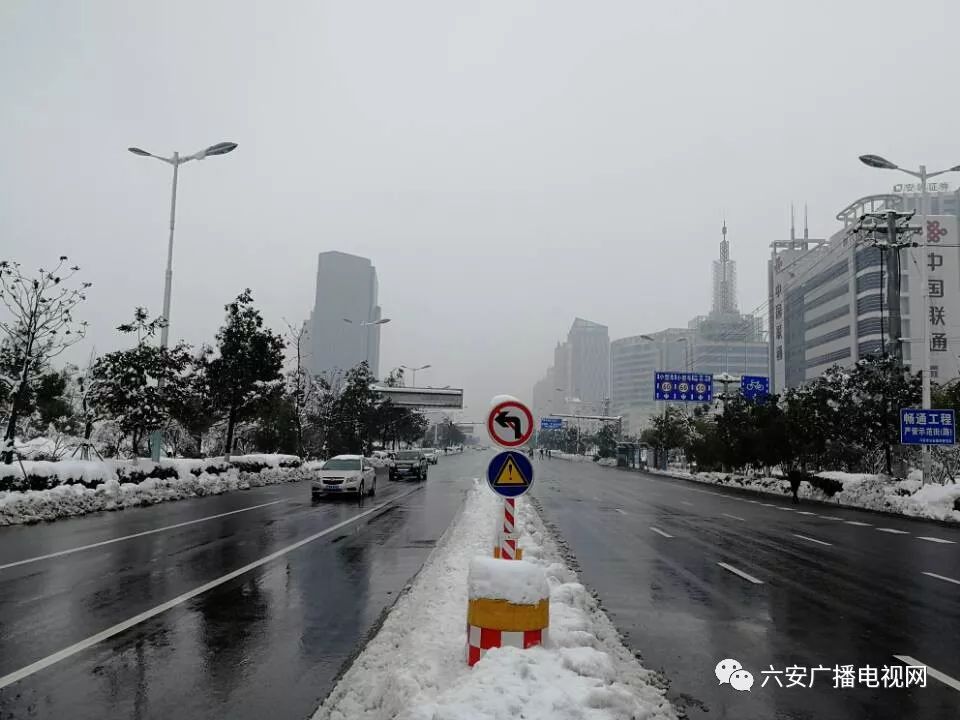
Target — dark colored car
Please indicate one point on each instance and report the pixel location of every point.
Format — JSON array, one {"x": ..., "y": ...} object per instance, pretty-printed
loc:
[{"x": 409, "y": 464}]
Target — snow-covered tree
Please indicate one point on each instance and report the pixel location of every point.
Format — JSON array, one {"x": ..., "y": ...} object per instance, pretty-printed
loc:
[
  {"x": 139, "y": 386},
  {"x": 249, "y": 363},
  {"x": 38, "y": 326}
]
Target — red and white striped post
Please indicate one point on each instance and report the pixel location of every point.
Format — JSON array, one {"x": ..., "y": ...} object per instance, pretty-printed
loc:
[{"x": 508, "y": 543}]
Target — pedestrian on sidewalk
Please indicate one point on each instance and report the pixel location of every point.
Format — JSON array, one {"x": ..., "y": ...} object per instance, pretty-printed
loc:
[{"x": 795, "y": 477}]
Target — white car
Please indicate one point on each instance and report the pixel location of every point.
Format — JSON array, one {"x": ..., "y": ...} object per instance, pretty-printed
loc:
[
  {"x": 346, "y": 474},
  {"x": 432, "y": 455},
  {"x": 383, "y": 456}
]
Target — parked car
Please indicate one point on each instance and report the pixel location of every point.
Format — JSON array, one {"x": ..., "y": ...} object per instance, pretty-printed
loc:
[
  {"x": 345, "y": 474},
  {"x": 432, "y": 455},
  {"x": 409, "y": 464}
]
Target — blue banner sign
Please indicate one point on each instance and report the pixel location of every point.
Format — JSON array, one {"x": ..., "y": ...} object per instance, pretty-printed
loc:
[
  {"x": 754, "y": 387},
  {"x": 927, "y": 427},
  {"x": 683, "y": 387},
  {"x": 551, "y": 423}
]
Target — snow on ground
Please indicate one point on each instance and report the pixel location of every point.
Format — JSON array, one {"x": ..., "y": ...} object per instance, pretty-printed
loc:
[
  {"x": 111, "y": 493},
  {"x": 860, "y": 490},
  {"x": 415, "y": 668}
]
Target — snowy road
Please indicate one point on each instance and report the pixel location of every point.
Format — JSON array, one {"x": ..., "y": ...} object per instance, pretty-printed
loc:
[
  {"x": 245, "y": 605},
  {"x": 694, "y": 575}
]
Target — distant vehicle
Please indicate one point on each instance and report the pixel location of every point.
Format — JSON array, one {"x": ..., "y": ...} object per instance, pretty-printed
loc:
[
  {"x": 453, "y": 449},
  {"x": 383, "y": 456},
  {"x": 346, "y": 474},
  {"x": 409, "y": 464},
  {"x": 432, "y": 455}
]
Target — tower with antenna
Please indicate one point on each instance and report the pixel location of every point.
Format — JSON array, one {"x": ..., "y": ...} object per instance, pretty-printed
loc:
[{"x": 724, "y": 279}]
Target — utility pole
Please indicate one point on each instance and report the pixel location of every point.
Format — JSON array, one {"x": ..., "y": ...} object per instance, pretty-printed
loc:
[{"x": 896, "y": 227}]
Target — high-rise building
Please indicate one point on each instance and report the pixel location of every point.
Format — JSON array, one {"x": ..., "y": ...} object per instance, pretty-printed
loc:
[
  {"x": 829, "y": 303},
  {"x": 589, "y": 344},
  {"x": 724, "y": 341},
  {"x": 346, "y": 291}
]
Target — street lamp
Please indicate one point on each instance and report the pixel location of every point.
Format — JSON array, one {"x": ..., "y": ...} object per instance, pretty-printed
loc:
[
  {"x": 364, "y": 323},
  {"x": 176, "y": 160},
  {"x": 881, "y": 163},
  {"x": 414, "y": 371}
]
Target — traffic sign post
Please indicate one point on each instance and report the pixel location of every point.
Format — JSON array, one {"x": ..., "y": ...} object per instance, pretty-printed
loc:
[
  {"x": 754, "y": 387},
  {"x": 510, "y": 423},
  {"x": 509, "y": 475},
  {"x": 683, "y": 387},
  {"x": 927, "y": 427}
]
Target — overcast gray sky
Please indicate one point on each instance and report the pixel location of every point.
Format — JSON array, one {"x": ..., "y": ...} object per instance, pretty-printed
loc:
[{"x": 506, "y": 165}]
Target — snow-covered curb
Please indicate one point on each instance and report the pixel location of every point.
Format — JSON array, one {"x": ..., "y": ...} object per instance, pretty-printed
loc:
[
  {"x": 860, "y": 490},
  {"x": 18, "y": 507},
  {"x": 415, "y": 668}
]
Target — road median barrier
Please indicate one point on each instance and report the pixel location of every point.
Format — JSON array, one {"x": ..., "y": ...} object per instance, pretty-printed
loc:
[{"x": 508, "y": 605}]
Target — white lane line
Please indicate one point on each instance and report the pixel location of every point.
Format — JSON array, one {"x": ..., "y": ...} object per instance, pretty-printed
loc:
[
  {"x": 891, "y": 530},
  {"x": 620, "y": 511},
  {"x": 56, "y": 657},
  {"x": 936, "y": 674},
  {"x": 804, "y": 537},
  {"x": 830, "y": 517},
  {"x": 135, "y": 535},
  {"x": 942, "y": 577},
  {"x": 858, "y": 524},
  {"x": 734, "y": 517},
  {"x": 768, "y": 504},
  {"x": 732, "y": 569},
  {"x": 782, "y": 507},
  {"x": 686, "y": 502},
  {"x": 805, "y": 512},
  {"x": 658, "y": 531},
  {"x": 936, "y": 540}
]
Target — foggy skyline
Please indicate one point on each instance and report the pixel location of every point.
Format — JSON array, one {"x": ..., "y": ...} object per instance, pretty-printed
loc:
[{"x": 507, "y": 167}]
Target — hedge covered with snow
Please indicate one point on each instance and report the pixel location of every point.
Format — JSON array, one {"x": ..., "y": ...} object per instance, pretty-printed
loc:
[{"x": 40, "y": 490}]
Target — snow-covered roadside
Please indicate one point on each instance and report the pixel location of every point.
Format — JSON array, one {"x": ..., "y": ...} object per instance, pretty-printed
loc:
[
  {"x": 415, "y": 668},
  {"x": 860, "y": 490},
  {"x": 17, "y": 507}
]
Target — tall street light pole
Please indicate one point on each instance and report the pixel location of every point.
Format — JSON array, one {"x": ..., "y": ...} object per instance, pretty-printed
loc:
[
  {"x": 176, "y": 160},
  {"x": 414, "y": 371},
  {"x": 881, "y": 163},
  {"x": 366, "y": 339}
]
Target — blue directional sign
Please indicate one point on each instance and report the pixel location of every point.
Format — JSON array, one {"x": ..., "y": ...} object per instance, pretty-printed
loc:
[
  {"x": 510, "y": 474},
  {"x": 927, "y": 427},
  {"x": 683, "y": 387},
  {"x": 754, "y": 387},
  {"x": 551, "y": 423}
]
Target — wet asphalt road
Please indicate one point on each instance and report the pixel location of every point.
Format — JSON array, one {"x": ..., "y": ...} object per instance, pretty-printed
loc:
[
  {"x": 837, "y": 589},
  {"x": 267, "y": 643}
]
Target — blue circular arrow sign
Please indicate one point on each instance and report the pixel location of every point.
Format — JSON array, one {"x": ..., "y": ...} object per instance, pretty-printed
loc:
[{"x": 510, "y": 474}]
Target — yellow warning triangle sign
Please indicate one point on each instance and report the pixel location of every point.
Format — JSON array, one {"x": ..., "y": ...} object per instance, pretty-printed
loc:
[{"x": 510, "y": 474}]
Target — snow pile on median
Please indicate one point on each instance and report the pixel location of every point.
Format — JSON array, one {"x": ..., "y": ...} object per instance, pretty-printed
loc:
[
  {"x": 521, "y": 583},
  {"x": 415, "y": 668}
]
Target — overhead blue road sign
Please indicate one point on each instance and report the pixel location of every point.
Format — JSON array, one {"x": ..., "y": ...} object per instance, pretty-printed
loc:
[
  {"x": 551, "y": 423},
  {"x": 753, "y": 387},
  {"x": 510, "y": 474},
  {"x": 683, "y": 387},
  {"x": 927, "y": 427}
]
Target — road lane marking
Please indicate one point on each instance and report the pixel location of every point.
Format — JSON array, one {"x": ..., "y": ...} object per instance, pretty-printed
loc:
[
  {"x": 858, "y": 524},
  {"x": 805, "y": 512},
  {"x": 620, "y": 511},
  {"x": 891, "y": 530},
  {"x": 686, "y": 502},
  {"x": 135, "y": 535},
  {"x": 782, "y": 507},
  {"x": 56, "y": 657},
  {"x": 936, "y": 540},
  {"x": 734, "y": 517},
  {"x": 658, "y": 531},
  {"x": 804, "y": 537},
  {"x": 732, "y": 569},
  {"x": 942, "y": 577},
  {"x": 936, "y": 674},
  {"x": 829, "y": 517}
]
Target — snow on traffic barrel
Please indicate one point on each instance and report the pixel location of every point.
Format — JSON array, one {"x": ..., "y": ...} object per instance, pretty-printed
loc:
[{"x": 509, "y": 606}]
